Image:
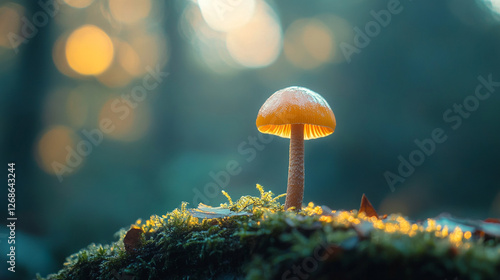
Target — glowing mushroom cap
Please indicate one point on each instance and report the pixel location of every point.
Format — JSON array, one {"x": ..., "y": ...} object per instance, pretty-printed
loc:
[{"x": 296, "y": 105}]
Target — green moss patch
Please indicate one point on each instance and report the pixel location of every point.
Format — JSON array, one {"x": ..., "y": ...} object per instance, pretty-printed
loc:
[{"x": 254, "y": 238}]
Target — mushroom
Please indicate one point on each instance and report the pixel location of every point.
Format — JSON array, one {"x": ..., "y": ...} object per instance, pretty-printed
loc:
[{"x": 300, "y": 114}]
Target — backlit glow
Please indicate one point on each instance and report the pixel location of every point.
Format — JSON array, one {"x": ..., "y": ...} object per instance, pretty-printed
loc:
[
  {"x": 226, "y": 15},
  {"x": 10, "y": 23},
  {"x": 79, "y": 3},
  {"x": 308, "y": 43},
  {"x": 395, "y": 224},
  {"x": 89, "y": 50},
  {"x": 128, "y": 124},
  {"x": 129, "y": 11},
  {"x": 129, "y": 59},
  {"x": 207, "y": 44},
  {"x": 149, "y": 49},
  {"x": 115, "y": 75},
  {"x": 59, "y": 57},
  {"x": 493, "y": 5},
  {"x": 53, "y": 148},
  {"x": 257, "y": 43}
]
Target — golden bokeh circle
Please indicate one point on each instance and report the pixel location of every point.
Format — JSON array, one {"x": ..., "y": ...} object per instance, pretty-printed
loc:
[{"x": 89, "y": 50}]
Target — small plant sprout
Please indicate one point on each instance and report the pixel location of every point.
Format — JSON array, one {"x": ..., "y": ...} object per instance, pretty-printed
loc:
[{"x": 299, "y": 114}]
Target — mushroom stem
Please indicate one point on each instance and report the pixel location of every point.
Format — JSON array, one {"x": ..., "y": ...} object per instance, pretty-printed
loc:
[{"x": 295, "y": 188}]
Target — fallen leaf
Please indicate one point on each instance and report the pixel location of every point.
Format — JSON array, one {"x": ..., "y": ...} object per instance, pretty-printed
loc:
[
  {"x": 367, "y": 208},
  {"x": 132, "y": 239},
  {"x": 492, "y": 220},
  {"x": 208, "y": 212}
]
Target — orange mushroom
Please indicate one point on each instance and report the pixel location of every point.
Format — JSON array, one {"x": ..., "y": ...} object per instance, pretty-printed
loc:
[{"x": 300, "y": 114}]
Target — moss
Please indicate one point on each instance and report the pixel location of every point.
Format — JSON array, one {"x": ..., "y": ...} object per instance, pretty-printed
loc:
[{"x": 254, "y": 238}]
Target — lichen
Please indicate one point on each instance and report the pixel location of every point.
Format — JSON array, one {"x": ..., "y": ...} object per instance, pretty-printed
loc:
[{"x": 257, "y": 239}]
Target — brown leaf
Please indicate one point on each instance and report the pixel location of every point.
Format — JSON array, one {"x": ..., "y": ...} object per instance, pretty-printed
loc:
[
  {"x": 492, "y": 220},
  {"x": 367, "y": 208},
  {"x": 132, "y": 239}
]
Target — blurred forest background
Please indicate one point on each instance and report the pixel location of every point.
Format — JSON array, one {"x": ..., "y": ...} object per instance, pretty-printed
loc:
[{"x": 117, "y": 110}]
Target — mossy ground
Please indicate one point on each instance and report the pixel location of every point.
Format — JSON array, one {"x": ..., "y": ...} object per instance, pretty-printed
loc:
[{"x": 255, "y": 238}]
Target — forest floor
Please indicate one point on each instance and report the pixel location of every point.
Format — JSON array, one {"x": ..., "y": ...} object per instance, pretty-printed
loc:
[{"x": 254, "y": 238}]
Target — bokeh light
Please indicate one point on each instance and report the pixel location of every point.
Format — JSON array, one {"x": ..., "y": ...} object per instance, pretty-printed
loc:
[
  {"x": 151, "y": 50},
  {"x": 129, "y": 11},
  {"x": 257, "y": 43},
  {"x": 129, "y": 59},
  {"x": 308, "y": 43},
  {"x": 89, "y": 50},
  {"x": 53, "y": 148},
  {"x": 340, "y": 30},
  {"x": 206, "y": 44},
  {"x": 79, "y": 3},
  {"x": 129, "y": 124},
  {"x": 115, "y": 75},
  {"x": 10, "y": 23},
  {"x": 59, "y": 57},
  {"x": 226, "y": 15},
  {"x": 493, "y": 5}
]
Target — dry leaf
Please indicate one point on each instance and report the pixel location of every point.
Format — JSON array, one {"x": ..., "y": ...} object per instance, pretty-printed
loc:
[
  {"x": 132, "y": 239},
  {"x": 367, "y": 208},
  {"x": 492, "y": 220}
]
